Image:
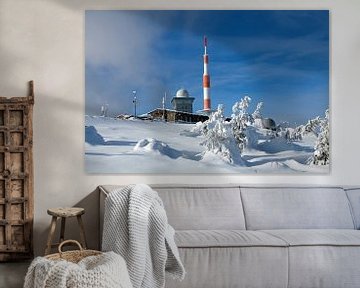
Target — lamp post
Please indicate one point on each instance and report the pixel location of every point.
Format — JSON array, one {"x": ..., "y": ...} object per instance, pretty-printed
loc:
[
  {"x": 163, "y": 106},
  {"x": 104, "y": 110},
  {"x": 134, "y": 101}
]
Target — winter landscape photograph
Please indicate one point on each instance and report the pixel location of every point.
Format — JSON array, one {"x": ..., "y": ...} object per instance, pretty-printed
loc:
[{"x": 230, "y": 91}]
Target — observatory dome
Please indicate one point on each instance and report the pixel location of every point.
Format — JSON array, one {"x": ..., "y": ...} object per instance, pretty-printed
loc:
[
  {"x": 268, "y": 123},
  {"x": 182, "y": 93}
]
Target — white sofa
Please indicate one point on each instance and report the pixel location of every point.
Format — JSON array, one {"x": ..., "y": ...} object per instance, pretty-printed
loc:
[{"x": 244, "y": 236}]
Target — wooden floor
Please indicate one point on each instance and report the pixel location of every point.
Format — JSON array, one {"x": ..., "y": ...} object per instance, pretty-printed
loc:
[{"x": 12, "y": 274}]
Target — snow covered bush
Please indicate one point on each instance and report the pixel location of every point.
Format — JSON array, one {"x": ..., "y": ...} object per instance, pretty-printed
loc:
[
  {"x": 322, "y": 146},
  {"x": 312, "y": 126},
  {"x": 257, "y": 113},
  {"x": 320, "y": 128},
  {"x": 295, "y": 134},
  {"x": 240, "y": 119},
  {"x": 298, "y": 133},
  {"x": 219, "y": 138},
  {"x": 199, "y": 128}
]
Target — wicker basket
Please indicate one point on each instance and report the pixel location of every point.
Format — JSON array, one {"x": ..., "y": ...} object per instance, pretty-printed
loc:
[{"x": 72, "y": 256}]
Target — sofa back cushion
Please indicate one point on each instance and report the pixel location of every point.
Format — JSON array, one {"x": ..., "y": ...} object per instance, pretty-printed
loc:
[
  {"x": 354, "y": 198},
  {"x": 203, "y": 208},
  {"x": 296, "y": 208}
]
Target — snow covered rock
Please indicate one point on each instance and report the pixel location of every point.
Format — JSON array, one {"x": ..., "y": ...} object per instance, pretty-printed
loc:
[
  {"x": 92, "y": 136},
  {"x": 151, "y": 145}
]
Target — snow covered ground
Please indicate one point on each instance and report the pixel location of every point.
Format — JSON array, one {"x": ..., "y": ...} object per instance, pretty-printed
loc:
[{"x": 137, "y": 146}]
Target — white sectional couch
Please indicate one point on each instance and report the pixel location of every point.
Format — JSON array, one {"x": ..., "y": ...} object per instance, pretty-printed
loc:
[{"x": 280, "y": 237}]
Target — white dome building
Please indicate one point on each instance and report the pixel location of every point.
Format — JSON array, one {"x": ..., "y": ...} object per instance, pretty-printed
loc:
[
  {"x": 182, "y": 101},
  {"x": 182, "y": 93}
]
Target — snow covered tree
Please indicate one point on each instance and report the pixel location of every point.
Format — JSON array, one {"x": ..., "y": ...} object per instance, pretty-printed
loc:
[
  {"x": 199, "y": 128},
  {"x": 219, "y": 137},
  {"x": 322, "y": 146},
  {"x": 240, "y": 119},
  {"x": 295, "y": 134},
  {"x": 257, "y": 113},
  {"x": 320, "y": 128},
  {"x": 312, "y": 126}
]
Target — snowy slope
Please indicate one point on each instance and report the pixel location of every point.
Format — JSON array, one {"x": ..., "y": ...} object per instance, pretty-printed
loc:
[{"x": 137, "y": 146}]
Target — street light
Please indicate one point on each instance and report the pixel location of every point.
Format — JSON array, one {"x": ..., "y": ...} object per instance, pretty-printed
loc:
[
  {"x": 134, "y": 101},
  {"x": 163, "y": 105},
  {"x": 104, "y": 110}
]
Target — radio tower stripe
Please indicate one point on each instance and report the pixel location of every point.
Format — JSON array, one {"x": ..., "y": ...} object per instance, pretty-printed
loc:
[{"x": 206, "y": 79}]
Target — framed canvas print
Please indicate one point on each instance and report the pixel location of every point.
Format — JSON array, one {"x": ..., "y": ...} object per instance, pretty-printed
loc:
[{"x": 227, "y": 91}]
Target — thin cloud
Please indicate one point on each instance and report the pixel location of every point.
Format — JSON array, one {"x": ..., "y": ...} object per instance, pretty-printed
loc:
[
  {"x": 272, "y": 55},
  {"x": 122, "y": 43}
]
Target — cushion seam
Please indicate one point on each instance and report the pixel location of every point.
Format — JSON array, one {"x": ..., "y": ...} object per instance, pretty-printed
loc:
[
  {"x": 310, "y": 245},
  {"x": 351, "y": 211},
  {"x": 320, "y": 245},
  {"x": 271, "y": 246},
  {"x": 278, "y": 237},
  {"x": 243, "y": 208},
  {"x": 232, "y": 246},
  {"x": 288, "y": 267}
]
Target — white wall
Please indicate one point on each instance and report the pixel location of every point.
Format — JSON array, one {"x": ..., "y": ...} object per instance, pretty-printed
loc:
[{"x": 43, "y": 40}]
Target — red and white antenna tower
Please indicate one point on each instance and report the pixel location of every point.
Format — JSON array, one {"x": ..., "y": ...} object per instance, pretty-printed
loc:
[{"x": 206, "y": 79}]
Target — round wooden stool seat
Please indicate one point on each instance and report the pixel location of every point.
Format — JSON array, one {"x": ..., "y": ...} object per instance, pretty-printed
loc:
[
  {"x": 66, "y": 211},
  {"x": 63, "y": 213}
]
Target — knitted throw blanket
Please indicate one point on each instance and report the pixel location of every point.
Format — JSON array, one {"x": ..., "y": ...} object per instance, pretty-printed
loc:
[
  {"x": 136, "y": 227},
  {"x": 103, "y": 271}
]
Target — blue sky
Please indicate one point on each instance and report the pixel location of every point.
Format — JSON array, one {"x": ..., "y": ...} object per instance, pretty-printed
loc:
[{"x": 279, "y": 57}]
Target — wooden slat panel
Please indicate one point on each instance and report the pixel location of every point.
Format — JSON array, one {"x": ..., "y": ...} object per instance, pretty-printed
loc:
[
  {"x": 16, "y": 177},
  {"x": 29, "y": 181},
  {"x": 2, "y": 138},
  {"x": 2, "y": 236},
  {"x": 16, "y": 106},
  {"x": 17, "y": 188},
  {"x": 14, "y": 149},
  {"x": 2, "y": 161},
  {"x": 16, "y": 138},
  {"x": 4, "y": 176},
  {"x": 16, "y": 118},
  {"x": 17, "y": 211},
  {"x": 6, "y": 101},
  {"x": 13, "y": 222},
  {"x": 16, "y": 200},
  {"x": 2, "y": 122},
  {"x": 16, "y": 162},
  {"x": 2, "y": 188},
  {"x": 18, "y": 235},
  {"x": 7, "y": 183},
  {"x": 12, "y": 129},
  {"x": 2, "y": 211},
  {"x": 13, "y": 248}
]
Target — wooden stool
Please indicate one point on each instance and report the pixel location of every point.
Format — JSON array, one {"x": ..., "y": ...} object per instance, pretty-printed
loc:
[{"x": 64, "y": 213}]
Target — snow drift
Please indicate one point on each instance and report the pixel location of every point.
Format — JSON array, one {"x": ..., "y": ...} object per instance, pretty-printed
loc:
[{"x": 119, "y": 146}]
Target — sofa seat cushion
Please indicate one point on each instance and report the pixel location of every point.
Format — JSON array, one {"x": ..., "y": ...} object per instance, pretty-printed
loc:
[
  {"x": 324, "y": 258},
  {"x": 203, "y": 208},
  {"x": 235, "y": 267},
  {"x": 317, "y": 237},
  {"x": 268, "y": 208},
  {"x": 225, "y": 238}
]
